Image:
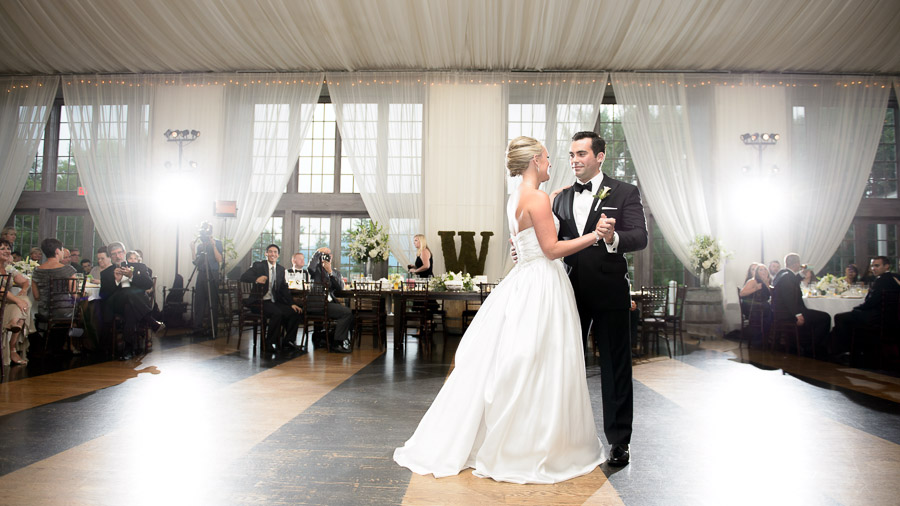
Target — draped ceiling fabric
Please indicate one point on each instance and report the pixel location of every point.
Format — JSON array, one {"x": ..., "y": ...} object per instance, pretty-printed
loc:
[
  {"x": 24, "y": 111},
  {"x": 699, "y": 177},
  {"x": 141, "y": 188},
  {"x": 99, "y": 36}
]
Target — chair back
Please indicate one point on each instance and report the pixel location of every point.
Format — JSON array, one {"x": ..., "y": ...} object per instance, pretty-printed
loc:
[
  {"x": 251, "y": 294},
  {"x": 655, "y": 301},
  {"x": 62, "y": 296},
  {"x": 745, "y": 311},
  {"x": 890, "y": 310},
  {"x": 315, "y": 301},
  {"x": 5, "y": 284},
  {"x": 415, "y": 298},
  {"x": 367, "y": 296}
]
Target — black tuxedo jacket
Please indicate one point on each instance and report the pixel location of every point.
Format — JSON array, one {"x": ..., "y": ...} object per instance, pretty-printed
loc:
[
  {"x": 787, "y": 295},
  {"x": 887, "y": 282},
  {"x": 600, "y": 278},
  {"x": 280, "y": 291},
  {"x": 141, "y": 279}
]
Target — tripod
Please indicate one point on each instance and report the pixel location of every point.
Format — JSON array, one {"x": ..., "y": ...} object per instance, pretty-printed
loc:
[{"x": 202, "y": 260}]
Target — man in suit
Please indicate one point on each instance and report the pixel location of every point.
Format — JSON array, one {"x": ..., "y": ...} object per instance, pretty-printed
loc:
[
  {"x": 298, "y": 271},
  {"x": 278, "y": 305},
  {"x": 787, "y": 298},
  {"x": 873, "y": 309},
  {"x": 599, "y": 276},
  {"x": 123, "y": 289},
  {"x": 321, "y": 271}
]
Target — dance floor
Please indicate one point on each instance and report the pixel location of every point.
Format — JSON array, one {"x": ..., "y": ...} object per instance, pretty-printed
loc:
[{"x": 201, "y": 422}]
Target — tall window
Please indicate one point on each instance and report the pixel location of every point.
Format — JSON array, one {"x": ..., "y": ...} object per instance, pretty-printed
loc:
[
  {"x": 36, "y": 172},
  {"x": 316, "y": 164},
  {"x": 27, "y": 228},
  {"x": 271, "y": 130},
  {"x": 618, "y": 163},
  {"x": 845, "y": 254},
  {"x": 272, "y": 234},
  {"x": 883, "y": 178},
  {"x": 404, "y": 157},
  {"x": 315, "y": 233},
  {"x": 882, "y": 240},
  {"x": 66, "y": 172},
  {"x": 529, "y": 120},
  {"x": 70, "y": 230}
]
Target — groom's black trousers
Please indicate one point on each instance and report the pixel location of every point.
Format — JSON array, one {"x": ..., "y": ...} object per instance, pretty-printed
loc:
[{"x": 612, "y": 338}]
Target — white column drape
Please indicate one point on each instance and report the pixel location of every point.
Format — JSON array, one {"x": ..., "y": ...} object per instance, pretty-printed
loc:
[
  {"x": 142, "y": 189},
  {"x": 698, "y": 176},
  {"x": 382, "y": 120},
  {"x": 24, "y": 111}
]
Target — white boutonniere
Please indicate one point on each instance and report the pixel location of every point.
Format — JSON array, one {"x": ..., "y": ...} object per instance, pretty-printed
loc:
[{"x": 602, "y": 194}]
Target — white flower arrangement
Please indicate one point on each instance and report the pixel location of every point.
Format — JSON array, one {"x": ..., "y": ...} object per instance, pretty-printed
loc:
[
  {"x": 707, "y": 255},
  {"x": 452, "y": 281},
  {"x": 395, "y": 280},
  {"x": 368, "y": 241},
  {"x": 833, "y": 283},
  {"x": 26, "y": 266}
]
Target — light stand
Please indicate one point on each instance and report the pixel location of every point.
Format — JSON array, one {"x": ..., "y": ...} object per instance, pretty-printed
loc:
[
  {"x": 760, "y": 142},
  {"x": 182, "y": 137}
]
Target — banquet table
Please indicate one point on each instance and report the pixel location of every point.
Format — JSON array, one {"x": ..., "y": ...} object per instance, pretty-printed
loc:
[{"x": 833, "y": 304}]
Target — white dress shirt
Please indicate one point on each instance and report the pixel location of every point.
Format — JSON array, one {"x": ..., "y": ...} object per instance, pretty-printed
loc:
[{"x": 581, "y": 208}]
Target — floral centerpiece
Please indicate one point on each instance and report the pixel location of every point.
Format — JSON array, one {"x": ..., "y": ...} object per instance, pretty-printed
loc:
[
  {"x": 26, "y": 266},
  {"x": 368, "y": 242},
  {"x": 452, "y": 281},
  {"x": 830, "y": 282},
  {"x": 706, "y": 257},
  {"x": 395, "y": 280}
]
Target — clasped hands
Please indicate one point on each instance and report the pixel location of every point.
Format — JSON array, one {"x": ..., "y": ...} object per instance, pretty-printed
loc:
[
  {"x": 606, "y": 227},
  {"x": 121, "y": 272}
]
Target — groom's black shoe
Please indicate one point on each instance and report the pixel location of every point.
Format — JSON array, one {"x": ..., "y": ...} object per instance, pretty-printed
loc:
[{"x": 619, "y": 455}]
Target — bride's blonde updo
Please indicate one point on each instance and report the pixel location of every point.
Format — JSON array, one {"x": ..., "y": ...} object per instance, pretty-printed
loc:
[{"x": 519, "y": 154}]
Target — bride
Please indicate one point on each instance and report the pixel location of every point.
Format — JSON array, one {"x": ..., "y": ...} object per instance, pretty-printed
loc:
[{"x": 516, "y": 406}]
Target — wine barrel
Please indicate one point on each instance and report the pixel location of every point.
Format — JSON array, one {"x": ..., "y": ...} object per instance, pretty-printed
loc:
[{"x": 704, "y": 312}]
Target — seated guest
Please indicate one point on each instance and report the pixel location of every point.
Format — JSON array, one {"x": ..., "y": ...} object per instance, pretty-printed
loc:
[
  {"x": 35, "y": 254},
  {"x": 123, "y": 291},
  {"x": 132, "y": 257},
  {"x": 423, "y": 267},
  {"x": 103, "y": 262},
  {"x": 64, "y": 258},
  {"x": 16, "y": 256},
  {"x": 86, "y": 267},
  {"x": 755, "y": 294},
  {"x": 787, "y": 301},
  {"x": 321, "y": 271},
  {"x": 15, "y": 313},
  {"x": 869, "y": 313},
  {"x": 9, "y": 234},
  {"x": 851, "y": 274},
  {"x": 868, "y": 277},
  {"x": 298, "y": 271},
  {"x": 278, "y": 305},
  {"x": 75, "y": 256},
  {"x": 51, "y": 269},
  {"x": 808, "y": 279},
  {"x": 774, "y": 267}
]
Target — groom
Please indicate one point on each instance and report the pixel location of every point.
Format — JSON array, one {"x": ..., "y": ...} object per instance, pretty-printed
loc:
[{"x": 599, "y": 276}]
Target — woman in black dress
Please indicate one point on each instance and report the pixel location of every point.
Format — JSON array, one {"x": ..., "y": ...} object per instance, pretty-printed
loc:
[
  {"x": 423, "y": 268},
  {"x": 755, "y": 296}
]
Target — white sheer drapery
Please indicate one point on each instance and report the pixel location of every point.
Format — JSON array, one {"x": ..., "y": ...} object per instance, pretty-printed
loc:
[
  {"x": 440, "y": 166},
  {"x": 381, "y": 117},
  {"x": 142, "y": 189},
  {"x": 23, "y": 115},
  {"x": 698, "y": 176}
]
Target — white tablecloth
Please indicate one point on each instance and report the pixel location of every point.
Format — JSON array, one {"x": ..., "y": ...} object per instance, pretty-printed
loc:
[{"x": 832, "y": 305}]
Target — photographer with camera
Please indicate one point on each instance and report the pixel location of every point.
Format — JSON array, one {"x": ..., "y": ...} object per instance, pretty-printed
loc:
[
  {"x": 321, "y": 271},
  {"x": 207, "y": 254}
]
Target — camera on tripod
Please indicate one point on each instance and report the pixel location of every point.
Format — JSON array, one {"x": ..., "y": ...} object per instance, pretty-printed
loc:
[{"x": 205, "y": 232}]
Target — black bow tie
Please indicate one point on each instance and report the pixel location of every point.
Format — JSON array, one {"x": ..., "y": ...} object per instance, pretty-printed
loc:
[{"x": 581, "y": 187}]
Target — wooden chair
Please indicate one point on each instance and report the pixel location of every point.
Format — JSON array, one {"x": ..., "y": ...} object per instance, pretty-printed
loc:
[
  {"x": 61, "y": 297},
  {"x": 752, "y": 318},
  {"x": 251, "y": 313},
  {"x": 414, "y": 314},
  {"x": 230, "y": 302},
  {"x": 369, "y": 312},
  {"x": 784, "y": 328},
  {"x": 315, "y": 312},
  {"x": 472, "y": 306},
  {"x": 654, "y": 307},
  {"x": 5, "y": 283},
  {"x": 675, "y": 320}
]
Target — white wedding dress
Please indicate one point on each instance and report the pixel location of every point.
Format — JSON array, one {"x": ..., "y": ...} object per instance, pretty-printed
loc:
[{"x": 516, "y": 406}]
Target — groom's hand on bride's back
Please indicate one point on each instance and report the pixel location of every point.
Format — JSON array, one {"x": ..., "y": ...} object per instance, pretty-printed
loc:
[{"x": 512, "y": 251}]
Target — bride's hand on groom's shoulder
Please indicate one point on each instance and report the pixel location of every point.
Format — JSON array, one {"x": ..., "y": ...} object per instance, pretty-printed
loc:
[{"x": 557, "y": 192}]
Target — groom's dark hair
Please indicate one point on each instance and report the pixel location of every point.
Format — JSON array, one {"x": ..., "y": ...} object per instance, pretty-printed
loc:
[{"x": 598, "y": 145}]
